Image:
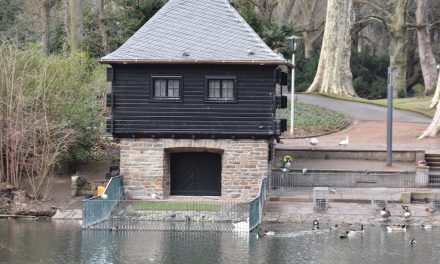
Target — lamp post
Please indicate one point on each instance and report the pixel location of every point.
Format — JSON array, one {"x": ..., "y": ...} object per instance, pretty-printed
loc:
[
  {"x": 390, "y": 118},
  {"x": 293, "y": 38}
]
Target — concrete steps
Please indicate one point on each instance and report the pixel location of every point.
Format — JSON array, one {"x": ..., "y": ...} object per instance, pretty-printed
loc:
[{"x": 433, "y": 161}]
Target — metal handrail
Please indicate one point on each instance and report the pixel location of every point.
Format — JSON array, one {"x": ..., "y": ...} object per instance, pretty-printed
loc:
[
  {"x": 93, "y": 212},
  {"x": 256, "y": 207}
]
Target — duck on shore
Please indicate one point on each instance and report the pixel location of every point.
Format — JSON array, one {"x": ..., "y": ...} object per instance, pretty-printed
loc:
[
  {"x": 406, "y": 212},
  {"x": 385, "y": 213},
  {"x": 315, "y": 224}
]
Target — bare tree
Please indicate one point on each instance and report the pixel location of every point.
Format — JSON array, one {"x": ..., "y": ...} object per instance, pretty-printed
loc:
[
  {"x": 31, "y": 140},
  {"x": 311, "y": 29},
  {"x": 434, "y": 128},
  {"x": 45, "y": 8},
  {"x": 266, "y": 8},
  {"x": 307, "y": 17},
  {"x": 103, "y": 27},
  {"x": 334, "y": 74},
  {"x": 286, "y": 9},
  {"x": 393, "y": 16},
  {"x": 427, "y": 59},
  {"x": 76, "y": 24}
]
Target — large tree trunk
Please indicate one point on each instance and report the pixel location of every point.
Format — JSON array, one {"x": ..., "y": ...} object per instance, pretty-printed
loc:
[
  {"x": 67, "y": 19},
  {"x": 435, "y": 100},
  {"x": 427, "y": 59},
  {"x": 434, "y": 128},
  {"x": 103, "y": 27},
  {"x": 45, "y": 25},
  {"x": 397, "y": 49},
  {"x": 334, "y": 74},
  {"x": 308, "y": 44},
  {"x": 76, "y": 24}
]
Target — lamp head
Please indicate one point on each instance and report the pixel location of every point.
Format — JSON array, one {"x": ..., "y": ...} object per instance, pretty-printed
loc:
[{"x": 293, "y": 38}]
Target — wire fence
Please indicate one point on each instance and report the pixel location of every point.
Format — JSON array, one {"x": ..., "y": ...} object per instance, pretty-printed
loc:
[
  {"x": 172, "y": 215},
  {"x": 198, "y": 214},
  {"x": 380, "y": 187},
  {"x": 402, "y": 179}
]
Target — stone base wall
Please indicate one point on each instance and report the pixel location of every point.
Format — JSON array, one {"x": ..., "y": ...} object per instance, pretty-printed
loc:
[{"x": 146, "y": 170}]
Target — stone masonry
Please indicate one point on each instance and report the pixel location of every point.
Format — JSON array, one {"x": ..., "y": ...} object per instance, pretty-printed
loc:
[{"x": 145, "y": 164}]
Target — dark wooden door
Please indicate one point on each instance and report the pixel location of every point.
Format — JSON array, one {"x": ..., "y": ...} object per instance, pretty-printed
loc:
[{"x": 195, "y": 173}]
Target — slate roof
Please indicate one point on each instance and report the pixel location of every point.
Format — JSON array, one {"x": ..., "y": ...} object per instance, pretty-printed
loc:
[{"x": 195, "y": 31}]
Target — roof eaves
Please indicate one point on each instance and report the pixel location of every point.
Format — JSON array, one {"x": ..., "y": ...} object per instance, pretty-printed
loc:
[{"x": 149, "y": 61}]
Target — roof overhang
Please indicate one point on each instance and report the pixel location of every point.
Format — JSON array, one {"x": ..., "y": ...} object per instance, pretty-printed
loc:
[{"x": 213, "y": 62}]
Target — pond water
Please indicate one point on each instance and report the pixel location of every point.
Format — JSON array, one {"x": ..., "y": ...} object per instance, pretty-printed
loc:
[{"x": 38, "y": 241}]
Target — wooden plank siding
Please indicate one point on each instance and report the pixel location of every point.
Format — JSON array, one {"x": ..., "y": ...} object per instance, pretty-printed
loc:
[{"x": 134, "y": 114}]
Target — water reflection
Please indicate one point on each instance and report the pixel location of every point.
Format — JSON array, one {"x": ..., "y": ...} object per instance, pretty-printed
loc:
[{"x": 65, "y": 242}]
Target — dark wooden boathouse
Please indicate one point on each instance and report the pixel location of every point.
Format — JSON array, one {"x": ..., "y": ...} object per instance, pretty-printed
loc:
[{"x": 194, "y": 99}]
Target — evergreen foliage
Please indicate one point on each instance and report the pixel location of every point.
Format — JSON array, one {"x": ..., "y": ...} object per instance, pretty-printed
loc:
[
  {"x": 305, "y": 69},
  {"x": 122, "y": 22},
  {"x": 369, "y": 74}
]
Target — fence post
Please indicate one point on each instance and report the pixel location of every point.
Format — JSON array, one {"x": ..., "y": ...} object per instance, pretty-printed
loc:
[{"x": 422, "y": 176}]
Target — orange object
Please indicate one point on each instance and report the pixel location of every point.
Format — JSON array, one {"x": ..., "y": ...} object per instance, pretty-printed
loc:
[{"x": 100, "y": 190}]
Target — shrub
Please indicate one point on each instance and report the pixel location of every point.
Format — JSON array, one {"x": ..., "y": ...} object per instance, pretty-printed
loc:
[
  {"x": 418, "y": 90},
  {"x": 369, "y": 74},
  {"x": 401, "y": 93},
  {"x": 51, "y": 107},
  {"x": 305, "y": 70}
]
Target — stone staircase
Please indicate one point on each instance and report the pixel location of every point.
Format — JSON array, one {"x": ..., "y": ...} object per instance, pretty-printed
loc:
[{"x": 433, "y": 161}]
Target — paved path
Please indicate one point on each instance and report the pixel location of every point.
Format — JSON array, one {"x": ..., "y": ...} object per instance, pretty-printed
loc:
[
  {"x": 368, "y": 130},
  {"x": 363, "y": 111}
]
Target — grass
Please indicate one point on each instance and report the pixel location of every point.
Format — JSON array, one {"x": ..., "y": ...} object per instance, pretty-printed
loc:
[
  {"x": 172, "y": 206},
  {"x": 313, "y": 120},
  {"x": 415, "y": 104}
]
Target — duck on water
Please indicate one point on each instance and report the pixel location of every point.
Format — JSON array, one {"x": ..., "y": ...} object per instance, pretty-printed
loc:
[
  {"x": 397, "y": 228},
  {"x": 352, "y": 233}
]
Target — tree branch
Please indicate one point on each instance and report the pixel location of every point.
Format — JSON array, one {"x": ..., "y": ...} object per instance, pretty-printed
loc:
[
  {"x": 415, "y": 26},
  {"x": 374, "y": 6},
  {"x": 302, "y": 30},
  {"x": 434, "y": 25},
  {"x": 369, "y": 18}
]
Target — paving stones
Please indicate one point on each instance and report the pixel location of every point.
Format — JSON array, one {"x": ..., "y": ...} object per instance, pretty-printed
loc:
[{"x": 75, "y": 214}]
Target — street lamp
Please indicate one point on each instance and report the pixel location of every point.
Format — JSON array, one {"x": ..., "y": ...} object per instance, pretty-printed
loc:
[
  {"x": 293, "y": 38},
  {"x": 390, "y": 117}
]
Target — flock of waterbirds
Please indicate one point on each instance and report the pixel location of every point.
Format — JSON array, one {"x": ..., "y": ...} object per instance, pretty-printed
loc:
[{"x": 349, "y": 232}]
